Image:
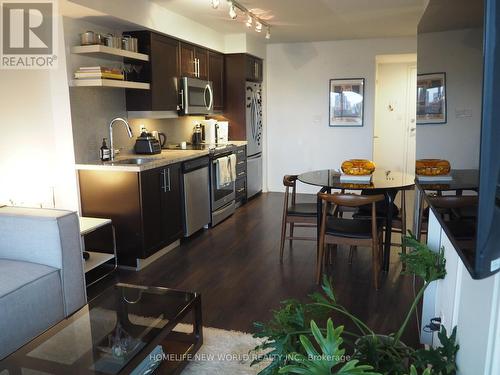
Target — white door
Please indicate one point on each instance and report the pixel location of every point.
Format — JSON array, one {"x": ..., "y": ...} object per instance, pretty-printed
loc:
[
  {"x": 411, "y": 142},
  {"x": 393, "y": 144}
]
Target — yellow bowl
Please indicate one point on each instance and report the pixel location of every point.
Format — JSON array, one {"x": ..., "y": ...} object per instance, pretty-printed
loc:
[
  {"x": 432, "y": 167},
  {"x": 358, "y": 167}
]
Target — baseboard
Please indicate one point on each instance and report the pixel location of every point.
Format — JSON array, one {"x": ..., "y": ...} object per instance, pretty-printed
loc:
[{"x": 143, "y": 263}]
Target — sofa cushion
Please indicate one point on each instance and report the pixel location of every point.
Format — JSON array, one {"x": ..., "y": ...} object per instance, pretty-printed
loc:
[
  {"x": 16, "y": 274},
  {"x": 30, "y": 302}
]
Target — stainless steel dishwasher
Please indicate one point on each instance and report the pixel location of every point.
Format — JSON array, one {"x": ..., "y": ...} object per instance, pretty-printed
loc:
[{"x": 196, "y": 193}]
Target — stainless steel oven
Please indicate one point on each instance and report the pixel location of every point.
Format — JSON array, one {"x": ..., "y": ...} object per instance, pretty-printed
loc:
[
  {"x": 222, "y": 196},
  {"x": 197, "y": 96}
]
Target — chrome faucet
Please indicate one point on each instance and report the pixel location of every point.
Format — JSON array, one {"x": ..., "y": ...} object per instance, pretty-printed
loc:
[{"x": 129, "y": 131}]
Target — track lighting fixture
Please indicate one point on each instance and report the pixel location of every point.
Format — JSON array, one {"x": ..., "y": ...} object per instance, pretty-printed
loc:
[
  {"x": 232, "y": 11},
  {"x": 252, "y": 18}
]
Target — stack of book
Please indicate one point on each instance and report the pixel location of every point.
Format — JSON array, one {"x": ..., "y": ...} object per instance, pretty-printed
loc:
[
  {"x": 98, "y": 72},
  {"x": 436, "y": 178},
  {"x": 355, "y": 179}
]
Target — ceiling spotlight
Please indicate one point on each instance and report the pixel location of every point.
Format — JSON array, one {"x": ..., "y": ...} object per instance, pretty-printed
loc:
[
  {"x": 268, "y": 33},
  {"x": 215, "y": 3},
  {"x": 258, "y": 27},
  {"x": 232, "y": 11},
  {"x": 249, "y": 21}
]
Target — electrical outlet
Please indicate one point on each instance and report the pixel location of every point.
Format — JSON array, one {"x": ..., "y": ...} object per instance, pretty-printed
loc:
[{"x": 142, "y": 128}]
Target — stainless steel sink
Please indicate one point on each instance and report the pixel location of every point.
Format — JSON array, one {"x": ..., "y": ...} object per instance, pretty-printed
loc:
[{"x": 135, "y": 161}]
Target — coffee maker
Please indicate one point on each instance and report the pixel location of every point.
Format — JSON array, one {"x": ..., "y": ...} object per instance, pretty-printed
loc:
[{"x": 197, "y": 138}]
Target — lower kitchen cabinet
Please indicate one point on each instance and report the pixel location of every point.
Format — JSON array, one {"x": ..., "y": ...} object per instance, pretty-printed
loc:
[{"x": 145, "y": 207}]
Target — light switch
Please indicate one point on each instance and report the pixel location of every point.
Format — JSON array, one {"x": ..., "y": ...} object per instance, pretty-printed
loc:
[{"x": 463, "y": 112}]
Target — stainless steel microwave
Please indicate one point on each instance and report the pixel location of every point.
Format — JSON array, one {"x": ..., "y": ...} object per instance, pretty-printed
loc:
[{"x": 197, "y": 96}]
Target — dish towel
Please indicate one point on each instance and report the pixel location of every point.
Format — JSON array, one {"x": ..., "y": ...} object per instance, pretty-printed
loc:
[
  {"x": 232, "y": 166},
  {"x": 226, "y": 170}
]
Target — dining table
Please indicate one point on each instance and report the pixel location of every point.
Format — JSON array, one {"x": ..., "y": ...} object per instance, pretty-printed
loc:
[{"x": 383, "y": 181}]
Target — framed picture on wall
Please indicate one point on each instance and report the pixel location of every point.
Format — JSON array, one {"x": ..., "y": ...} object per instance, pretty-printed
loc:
[
  {"x": 431, "y": 98},
  {"x": 347, "y": 102}
]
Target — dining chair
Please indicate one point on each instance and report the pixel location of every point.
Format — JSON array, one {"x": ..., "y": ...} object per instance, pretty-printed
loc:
[
  {"x": 296, "y": 214},
  {"x": 398, "y": 221},
  {"x": 335, "y": 230},
  {"x": 399, "y": 225}
]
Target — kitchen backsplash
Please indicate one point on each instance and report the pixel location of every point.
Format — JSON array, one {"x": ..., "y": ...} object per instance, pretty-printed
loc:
[{"x": 93, "y": 108}]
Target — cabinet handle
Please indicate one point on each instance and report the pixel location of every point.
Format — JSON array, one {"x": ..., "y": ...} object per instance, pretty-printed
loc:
[
  {"x": 240, "y": 190},
  {"x": 241, "y": 174},
  {"x": 164, "y": 185},
  {"x": 167, "y": 183},
  {"x": 241, "y": 162}
]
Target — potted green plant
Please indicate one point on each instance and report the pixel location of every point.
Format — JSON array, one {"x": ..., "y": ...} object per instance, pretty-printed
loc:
[{"x": 289, "y": 333}]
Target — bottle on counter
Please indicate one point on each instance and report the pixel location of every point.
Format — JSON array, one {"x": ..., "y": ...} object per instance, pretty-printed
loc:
[{"x": 105, "y": 152}]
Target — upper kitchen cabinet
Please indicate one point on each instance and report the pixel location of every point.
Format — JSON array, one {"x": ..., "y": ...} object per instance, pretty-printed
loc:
[
  {"x": 162, "y": 71},
  {"x": 216, "y": 75},
  {"x": 254, "y": 69},
  {"x": 193, "y": 61}
]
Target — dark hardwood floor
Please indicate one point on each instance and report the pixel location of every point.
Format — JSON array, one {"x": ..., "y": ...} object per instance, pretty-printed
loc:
[{"x": 235, "y": 266}]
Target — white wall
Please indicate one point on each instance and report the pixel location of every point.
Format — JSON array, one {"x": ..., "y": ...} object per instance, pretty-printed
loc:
[
  {"x": 459, "y": 54},
  {"x": 299, "y": 138},
  {"x": 148, "y": 14},
  {"x": 36, "y": 146},
  {"x": 473, "y": 306}
]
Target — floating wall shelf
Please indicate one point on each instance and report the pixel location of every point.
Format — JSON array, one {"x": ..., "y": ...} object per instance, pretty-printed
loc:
[
  {"x": 108, "y": 52},
  {"x": 109, "y": 83}
]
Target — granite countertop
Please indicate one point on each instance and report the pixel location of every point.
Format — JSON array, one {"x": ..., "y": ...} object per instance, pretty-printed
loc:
[{"x": 166, "y": 157}]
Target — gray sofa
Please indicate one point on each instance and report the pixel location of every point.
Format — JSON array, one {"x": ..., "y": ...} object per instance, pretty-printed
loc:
[{"x": 41, "y": 272}]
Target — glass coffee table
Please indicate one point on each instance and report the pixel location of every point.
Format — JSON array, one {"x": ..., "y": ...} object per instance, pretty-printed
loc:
[{"x": 128, "y": 329}]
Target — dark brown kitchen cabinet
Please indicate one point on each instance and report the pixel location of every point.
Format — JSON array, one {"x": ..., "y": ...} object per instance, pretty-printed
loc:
[
  {"x": 193, "y": 61},
  {"x": 216, "y": 75},
  {"x": 254, "y": 69},
  {"x": 145, "y": 207},
  {"x": 188, "y": 64},
  {"x": 161, "y": 207},
  {"x": 239, "y": 68},
  {"x": 161, "y": 72}
]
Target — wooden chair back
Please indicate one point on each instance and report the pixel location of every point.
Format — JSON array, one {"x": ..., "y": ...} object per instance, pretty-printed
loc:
[
  {"x": 290, "y": 182},
  {"x": 350, "y": 200}
]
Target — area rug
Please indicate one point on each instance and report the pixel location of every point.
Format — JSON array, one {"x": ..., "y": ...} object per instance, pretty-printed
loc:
[{"x": 223, "y": 352}]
